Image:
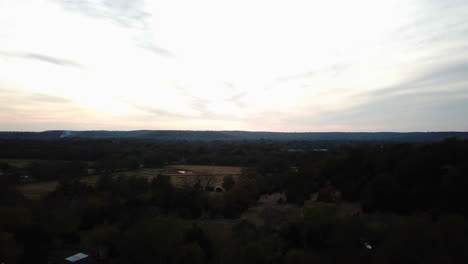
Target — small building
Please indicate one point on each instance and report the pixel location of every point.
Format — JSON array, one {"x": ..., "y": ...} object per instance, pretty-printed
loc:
[
  {"x": 320, "y": 150},
  {"x": 294, "y": 168},
  {"x": 25, "y": 179},
  {"x": 78, "y": 258},
  {"x": 294, "y": 150}
]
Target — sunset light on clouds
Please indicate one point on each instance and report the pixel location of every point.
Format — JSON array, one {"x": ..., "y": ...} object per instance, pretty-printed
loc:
[{"x": 234, "y": 65}]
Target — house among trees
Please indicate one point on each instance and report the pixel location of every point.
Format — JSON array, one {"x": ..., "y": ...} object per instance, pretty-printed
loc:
[
  {"x": 68, "y": 256},
  {"x": 26, "y": 179},
  {"x": 78, "y": 258}
]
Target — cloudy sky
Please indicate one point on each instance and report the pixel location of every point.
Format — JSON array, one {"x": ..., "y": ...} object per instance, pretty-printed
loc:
[{"x": 361, "y": 65}]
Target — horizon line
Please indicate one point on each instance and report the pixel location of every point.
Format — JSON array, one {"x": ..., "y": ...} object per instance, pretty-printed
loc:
[{"x": 251, "y": 131}]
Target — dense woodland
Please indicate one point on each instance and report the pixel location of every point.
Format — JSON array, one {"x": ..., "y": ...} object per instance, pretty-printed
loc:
[{"x": 413, "y": 198}]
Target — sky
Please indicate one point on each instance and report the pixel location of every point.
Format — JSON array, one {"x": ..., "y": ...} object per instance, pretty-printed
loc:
[{"x": 362, "y": 65}]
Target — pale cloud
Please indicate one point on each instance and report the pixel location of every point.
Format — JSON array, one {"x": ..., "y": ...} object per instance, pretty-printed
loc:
[
  {"x": 129, "y": 14},
  {"x": 48, "y": 98},
  {"x": 41, "y": 57},
  {"x": 256, "y": 65}
]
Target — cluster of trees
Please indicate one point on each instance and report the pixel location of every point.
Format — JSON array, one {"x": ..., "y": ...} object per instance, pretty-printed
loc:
[
  {"x": 405, "y": 178},
  {"x": 413, "y": 197},
  {"x": 319, "y": 236}
]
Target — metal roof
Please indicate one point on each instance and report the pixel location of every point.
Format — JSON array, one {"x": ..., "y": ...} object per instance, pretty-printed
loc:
[{"x": 76, "y": 257}]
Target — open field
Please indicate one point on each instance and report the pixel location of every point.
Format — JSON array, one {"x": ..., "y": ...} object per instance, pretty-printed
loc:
[
  {"x": 181, "y": 176},
  {"x": 35, "y": 191},
  {"x": 18, "y": 163},
  {"x": 38, "y": 190},
  {"x": 25, "y": 162},
  {"x": 188, "y": 175},
  {"x": 206, "y": 169}
]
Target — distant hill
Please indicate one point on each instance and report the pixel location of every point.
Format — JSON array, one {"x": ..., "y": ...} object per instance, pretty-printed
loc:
[{"x": 188, "y": 135}]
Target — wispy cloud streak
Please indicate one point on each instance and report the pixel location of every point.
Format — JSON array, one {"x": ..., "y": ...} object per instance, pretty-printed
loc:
[
  {"x": 41, "y": 58},
  {"x": 126, "y": 13}
]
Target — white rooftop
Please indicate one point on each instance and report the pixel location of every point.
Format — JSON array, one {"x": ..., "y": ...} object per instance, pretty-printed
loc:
[{"x": 76, "y": 257}]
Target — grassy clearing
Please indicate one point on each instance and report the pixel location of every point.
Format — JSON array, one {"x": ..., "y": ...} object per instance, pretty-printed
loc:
[
  {"x": 23, "y": 163},
  {"x": 188, "y": 175},
  {"x": 206, "y": 169},
  {"x": 18, "y": 163},
  {"x": 36, "y": 191},
  {"x": 212, "y": 174},
  {"x": 91, "y": 180},
  {"x": 13, "y": 161}
]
